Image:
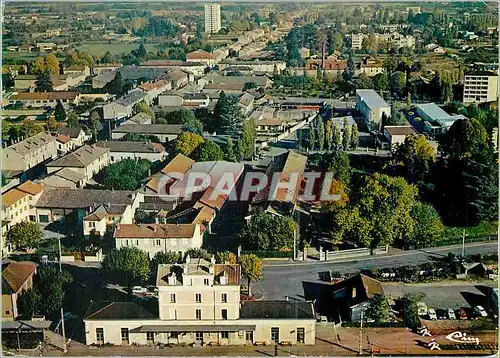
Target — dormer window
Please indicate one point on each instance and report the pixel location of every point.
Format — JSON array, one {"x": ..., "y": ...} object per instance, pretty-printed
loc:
[
  {"x": 172, "y": 280},
  {"x": 223, "y": 280}
]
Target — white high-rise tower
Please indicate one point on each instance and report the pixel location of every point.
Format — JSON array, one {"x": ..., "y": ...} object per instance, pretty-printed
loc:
[{"x": 212, "y": 18}]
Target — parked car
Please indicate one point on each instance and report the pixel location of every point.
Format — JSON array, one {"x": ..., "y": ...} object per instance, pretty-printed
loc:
[
  {"x": 479, "y": 311},
  {"x": 139, "y": 290},
  {"x": 432, "y": 314},
  {"x": 441, "y": 314},
  {"x": 462, "y": 314},
  {"x": 451, "y": 314},
  {"x": 422, "y": 308}
]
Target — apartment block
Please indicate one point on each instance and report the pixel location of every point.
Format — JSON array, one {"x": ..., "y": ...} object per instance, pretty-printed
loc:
[
  {"x": 480, "y": 86},
  {"x": 372, "y": 107},
  {"x": 212, "y": 18}
]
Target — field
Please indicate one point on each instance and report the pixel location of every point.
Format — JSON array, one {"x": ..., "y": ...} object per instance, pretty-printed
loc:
[{"x": 100, "y": 48}]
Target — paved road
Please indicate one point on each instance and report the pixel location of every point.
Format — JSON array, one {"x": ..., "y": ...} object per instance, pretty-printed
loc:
[{"x": 285, "y": 279}]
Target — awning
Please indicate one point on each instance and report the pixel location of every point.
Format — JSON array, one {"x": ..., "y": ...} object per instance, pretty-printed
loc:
[{"x": 193, "y": 328}]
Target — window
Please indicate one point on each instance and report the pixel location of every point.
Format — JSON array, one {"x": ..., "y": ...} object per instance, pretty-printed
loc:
[
  {"x": 206, "y": 282},
  {"x": 198, "y": 298},
  {"x": 112, "y": 158},
  {"x": 354, "y": 292},
  {"x": 150, "y": 337},
  {"x": 137, "y": 242},
  {"x": 224, "y": 335},
  {"x": 124, "y": 333},
  {"x": 224, "y": 314},
  {"x": 199, "y": 336},
  {"x": 99, "y": 332},
  {"x": 174, "y": 335},
  {"x": 275, "y": 334},
  {"x": 249, "y": 336},
  {"x": 43, "y": 218},
  {"x": 301, "y": 335},
  {"x": 92, "y": 224},
  {"x": 7, "y": 312},
  {"x": 157, "y": 242},
  {"x": 224, "y": 298},
  {"x": 32, "y": 218},
  {"x": 198, "y": 314},
  {"x": 172, "y": 298}
]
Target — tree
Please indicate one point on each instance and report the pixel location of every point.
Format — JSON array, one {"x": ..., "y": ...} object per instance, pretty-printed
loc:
[
  {"x": 143, "y": 107},
  {"x": 107, "y": 58},
  {"x": 125, "y": 174},
  {"x": 329, "y": 135},
  {"x": 428, "y": 227},
  {"x": 226, "y": 116},
  {"x": 187, "y": 143},
  {"x": 162, "y": 258},
  {"x": 73, "y": 120},
  {"x": 379, "y": 309},
  {"x": 230, "y": 154},
  {"x": 398, "y": 83},
  {"x": 380, "y": 82},
  {"x": 321, "y": 133},
  {"x": 415, "y": 158},
  {"x": 338, "y": 163},
  {"x": 182, "y": 116},
  {"x": 95, "y": 123},
  {"x": 370, "y": 43},
  {"x": 337, "y": 136},
  {"x": 141, "y": 52},
  {"x": 208, "y": 151},
  {"x": 354, "y": 140},
  {"x": 49, "y": 283},
  {"x": 268, "y": 232},
  {"x": 28, "y": 303},
  {"x": 141, "y": 216},
  {"x": 43, "y": 82},
  {"x": 363, "y": 81},
  {"x": 25, "y": 235},
  {"x": 249, "y": 85},
  {"x": 346, "y": 135},
  {"x": 52, "y": 64},
  {"x": 410, "y": 309},
  {"x": 116, "y": 85},
  {"x": 251, "y": 268},
  {"x": 60, "y": 112},
  {"x": 39, "y": 65},
  {"x": 240, "y": 150},
  {"x": 198, "y": 254},
  {"x": 464, "y": 138},
  {"x": 126, "y": 266},
  {"x": 248, "y": 136},
  {"x": 225, "y": 257},
  {"x": 52, "y": 124},
  {"x": 390, "y": 65},
  {"x": 312, "y": 136},
  {"x": 47, "y": 294}
]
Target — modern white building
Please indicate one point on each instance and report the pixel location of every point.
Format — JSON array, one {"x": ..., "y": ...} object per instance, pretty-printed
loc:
[
  {"x": 357, "y": 41},
  {"x": 480, "y": 86},
  {"x": 212, "y": 18},
  {"x": 199, "y": 303},
  {"x": 372, "y": 107}
]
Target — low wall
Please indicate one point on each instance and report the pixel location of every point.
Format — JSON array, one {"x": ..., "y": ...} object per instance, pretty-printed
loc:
[{"x": 68, "y": 258}]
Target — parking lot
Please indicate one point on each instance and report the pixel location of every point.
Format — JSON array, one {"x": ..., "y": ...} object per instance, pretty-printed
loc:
[{"x": 448, "y": 294}]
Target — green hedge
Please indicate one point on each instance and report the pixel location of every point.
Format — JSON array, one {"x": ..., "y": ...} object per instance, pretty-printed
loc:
[
  {"x": 374, "y": 324},
  {"x": 269, "y": 254}
]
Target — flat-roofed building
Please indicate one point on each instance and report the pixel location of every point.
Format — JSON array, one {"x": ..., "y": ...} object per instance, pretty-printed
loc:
[
  {"x": 480, "y": 86},
  {"x": 372, "y": 107}
]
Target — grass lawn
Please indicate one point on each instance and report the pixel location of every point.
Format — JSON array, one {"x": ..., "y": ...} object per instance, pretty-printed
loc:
[{"x": 100, "y": 48}]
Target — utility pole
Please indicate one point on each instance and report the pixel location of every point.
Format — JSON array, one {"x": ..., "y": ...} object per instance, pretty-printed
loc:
[
  {"x": 65, "y": 348},
  {"x": 361, "y": 334}
]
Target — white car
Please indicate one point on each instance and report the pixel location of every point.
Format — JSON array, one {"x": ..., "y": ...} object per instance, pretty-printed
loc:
[
  {"x": 432, "y": 314},
  {"x": 422, "y": 308},
  {"x": 479, "y": 311},
  {"x": 451, "y": 313},
  {"x": 138, "y": 290}
]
